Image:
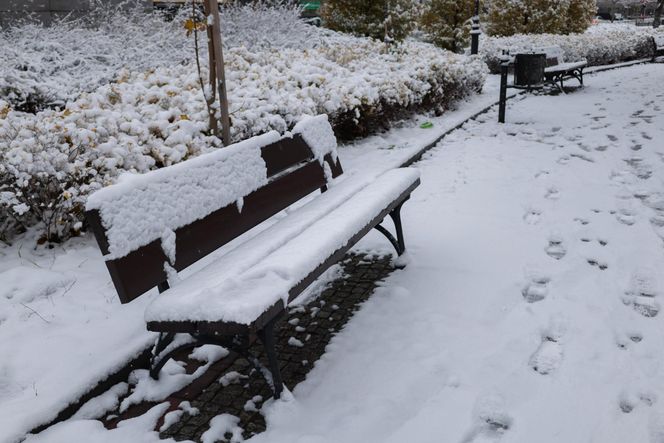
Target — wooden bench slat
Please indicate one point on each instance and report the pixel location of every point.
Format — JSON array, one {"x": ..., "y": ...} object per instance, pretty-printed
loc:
[{"x": 285, "y": 154}]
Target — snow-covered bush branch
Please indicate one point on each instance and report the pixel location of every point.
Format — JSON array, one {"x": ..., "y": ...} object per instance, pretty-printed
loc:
[{"x": 600, "y": 45}]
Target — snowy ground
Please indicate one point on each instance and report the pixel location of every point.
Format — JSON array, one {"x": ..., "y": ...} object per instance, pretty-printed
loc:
[
  {"x": 527, "y": 314},
  {"x": 529, "y": 311}
]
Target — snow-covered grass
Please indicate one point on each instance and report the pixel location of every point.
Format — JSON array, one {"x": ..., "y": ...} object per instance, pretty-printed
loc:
[
  {"x": 154, "y": 114},
  {"x": 600, "y": 45}
]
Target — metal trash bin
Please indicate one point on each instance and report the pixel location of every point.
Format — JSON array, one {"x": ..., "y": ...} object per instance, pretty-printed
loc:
[{"x": 529, "y": 70}]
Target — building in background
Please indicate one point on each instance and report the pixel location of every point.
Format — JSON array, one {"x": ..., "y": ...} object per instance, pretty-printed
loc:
[
  {"x": 610, "y": 9},
  {"x": 44, "y": 11}
]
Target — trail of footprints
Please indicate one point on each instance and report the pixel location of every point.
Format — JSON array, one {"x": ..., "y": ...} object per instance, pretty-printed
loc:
[{"x": 642, "y": 291}]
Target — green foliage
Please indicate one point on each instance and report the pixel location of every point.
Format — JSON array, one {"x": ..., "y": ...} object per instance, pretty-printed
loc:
[
  {"x": 509, "y": 17},
  {"x": 447, "y": 22},
  {"x": 389, "y": 20}
]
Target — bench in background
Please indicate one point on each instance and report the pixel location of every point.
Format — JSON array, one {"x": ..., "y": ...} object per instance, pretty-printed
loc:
[
  {"x": 658, "y": 46},
  {"x": 557, "y": 70}
]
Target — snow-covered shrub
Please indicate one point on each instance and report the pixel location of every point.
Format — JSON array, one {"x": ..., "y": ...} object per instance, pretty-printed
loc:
[
  {"x": 380, "y": 19},
  {"x": 267, "y": 24},
  {"x": 509, "y": 17},
  {"x": 599, "y": 45},
  {"x": 50, "y": 162},
  {"x": 46, "y": 67},
  {"x": 447, "y": 22},
  {"x": 149, "y": 118}
]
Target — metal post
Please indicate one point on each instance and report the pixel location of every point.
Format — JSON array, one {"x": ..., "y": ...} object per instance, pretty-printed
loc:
[
  {"x": 475, "y": 30},
  {"x": 502, "y": 104}
]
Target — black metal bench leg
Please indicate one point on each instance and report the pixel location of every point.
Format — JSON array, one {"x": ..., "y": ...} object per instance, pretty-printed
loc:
[
  {"x": 156, "y": 364},
  {"x": 266, "y": 335},
  {"x": 395, "y": 215},
  {"x": 398, "y": 242}
]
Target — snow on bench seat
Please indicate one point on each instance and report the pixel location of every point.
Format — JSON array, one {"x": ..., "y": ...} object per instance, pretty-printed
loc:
[
  {"x": 242, "y": 285},
  {"x": 555, "y": 59},
  {"x": 564, "y": 67}
]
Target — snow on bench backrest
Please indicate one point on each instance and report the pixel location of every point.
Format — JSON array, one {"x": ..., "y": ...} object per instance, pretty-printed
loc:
[
  {"x": 659, "y": 40},
  {"x": 144, "y": 211},
  {"x": 141, "y": 208},
  {"x": 554, "y": 55}
]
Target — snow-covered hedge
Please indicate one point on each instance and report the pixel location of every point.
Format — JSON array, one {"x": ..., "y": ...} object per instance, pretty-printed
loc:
[
  {"x": 600, "y": 45},
  {"x": 46, "y": 67},
  {"x": 148, "y": 118}
]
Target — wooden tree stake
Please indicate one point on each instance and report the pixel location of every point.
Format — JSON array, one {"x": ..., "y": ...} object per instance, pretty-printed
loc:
[{"x": 217, "y": 72}]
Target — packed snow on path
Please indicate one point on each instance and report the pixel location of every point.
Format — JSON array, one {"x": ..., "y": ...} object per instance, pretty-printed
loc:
[{"x": 529, "y": 312}]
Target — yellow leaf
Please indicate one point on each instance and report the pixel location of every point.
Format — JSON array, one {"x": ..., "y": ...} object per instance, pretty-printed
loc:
[
  {"x": 66, "y": 113},
  {"x": 192, "y": 25},
  {"x": 184, "y": 117}
]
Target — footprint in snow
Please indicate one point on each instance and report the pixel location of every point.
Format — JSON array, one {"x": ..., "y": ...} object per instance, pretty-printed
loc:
[
  {"x": 629, "y": 401},
  {"x": 642, "y": 170},
  {"x": 532, "y": 216},
  {"x": 642, "y": 293},
  {"x": 490, "y": 420},
  {"x": 564, "y": 159},
  {"x": 626, "y": 216},
  {"x": 601, "y": 265},
  {"x": 548, "y": 356},
  {"x": 556, "y": 249},
  {"x": 552, "y": 193},
  {"x": 536, "y": 289},
  {"x": 624, "y": 342},
  {"x": 582, "y": 221}
]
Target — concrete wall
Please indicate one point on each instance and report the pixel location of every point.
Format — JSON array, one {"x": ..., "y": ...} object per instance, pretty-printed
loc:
[{"x": 44, "y": 11}]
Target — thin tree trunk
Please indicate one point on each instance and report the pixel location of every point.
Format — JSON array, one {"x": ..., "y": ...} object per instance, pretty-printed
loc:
[{"x": 657, "y": 20}]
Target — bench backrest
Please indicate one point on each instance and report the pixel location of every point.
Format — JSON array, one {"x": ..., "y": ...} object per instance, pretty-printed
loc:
[
  {"x": 171, "y": 218},
  {"x": 659, "y": 40},
  {"x": 554, "y": 55}
]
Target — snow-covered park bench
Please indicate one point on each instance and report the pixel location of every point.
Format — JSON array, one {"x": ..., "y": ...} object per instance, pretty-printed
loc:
[
  {"x": 151, "y": 226},
  {"x": 658, "y": 46},
  {"x": 557, "y": 69}
]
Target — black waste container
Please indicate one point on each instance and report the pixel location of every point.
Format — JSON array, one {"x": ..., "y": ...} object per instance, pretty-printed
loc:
[{"x": 529, "y": 70}]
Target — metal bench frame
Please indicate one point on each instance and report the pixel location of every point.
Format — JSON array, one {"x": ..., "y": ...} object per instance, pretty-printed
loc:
[{"x": 658, "y": 47}]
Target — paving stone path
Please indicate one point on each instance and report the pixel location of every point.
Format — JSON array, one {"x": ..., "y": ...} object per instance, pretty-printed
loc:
[{"x": 232, "y": 386}]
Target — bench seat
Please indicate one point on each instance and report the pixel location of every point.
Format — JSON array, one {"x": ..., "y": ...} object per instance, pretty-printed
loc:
[
  {"x": 565, "y": 67},
  {"x": 557, "y": 69},
  {"x": 259, "y": 274}
]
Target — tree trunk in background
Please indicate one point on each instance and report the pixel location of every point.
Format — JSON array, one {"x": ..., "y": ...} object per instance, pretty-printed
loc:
[{"x": 658, "y": 14}]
